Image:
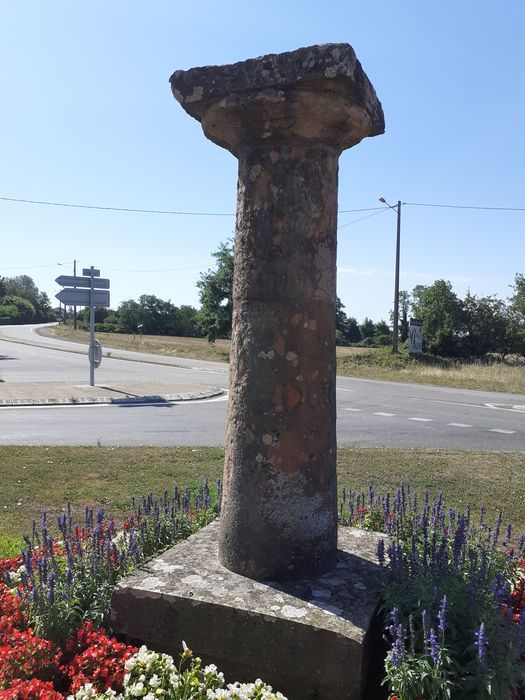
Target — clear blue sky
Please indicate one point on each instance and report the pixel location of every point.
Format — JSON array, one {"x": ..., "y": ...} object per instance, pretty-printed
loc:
[{"x": 87, "y": 117}]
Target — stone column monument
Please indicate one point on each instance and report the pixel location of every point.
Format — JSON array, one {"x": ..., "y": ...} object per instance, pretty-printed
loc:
[{"x": 286, "y": 117}]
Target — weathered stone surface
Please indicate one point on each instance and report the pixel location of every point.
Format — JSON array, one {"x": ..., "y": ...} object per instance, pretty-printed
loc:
[
  {"x": 286, "y": 117},
  {"x": 318, "y": 92},
  {"x": 313, "y": 638}
]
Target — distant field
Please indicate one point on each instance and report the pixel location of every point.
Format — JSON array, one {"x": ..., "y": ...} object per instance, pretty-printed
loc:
[
  {"x": 46, "y": 478},
  {"x": 369, "y": 363}
]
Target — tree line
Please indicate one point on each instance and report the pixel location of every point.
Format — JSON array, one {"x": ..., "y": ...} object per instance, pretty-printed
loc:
[
  {"x": 475, "y": 326},
  {"x": 22, "y": 302}
]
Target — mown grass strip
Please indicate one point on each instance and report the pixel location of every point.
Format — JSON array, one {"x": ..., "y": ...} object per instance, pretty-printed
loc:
[
  {"x": 46, "y": 478},
  {"x": 369, "y": 363}
]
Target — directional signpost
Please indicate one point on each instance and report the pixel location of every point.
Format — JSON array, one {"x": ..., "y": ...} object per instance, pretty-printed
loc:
[{"x": 90, "y": 290}]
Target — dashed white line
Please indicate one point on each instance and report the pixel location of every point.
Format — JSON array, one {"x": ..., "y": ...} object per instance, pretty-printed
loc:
[
  {"x": 499, "y": 430},
  {"x": 353, "y": 409},
  {"x": 380, "y": 413},
  {"x": 460, "y": 425},
  {"x": 421, "y": 420}
]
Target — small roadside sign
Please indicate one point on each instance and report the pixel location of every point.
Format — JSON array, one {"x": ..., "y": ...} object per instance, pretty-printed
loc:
[
  {"x": 95, "y": 353},
  {"x": 415, "y": 335},
  {"x": 72, "y": 281},
  {"x": 83, "y": 297},
  {"x": 91, "y": 272}
]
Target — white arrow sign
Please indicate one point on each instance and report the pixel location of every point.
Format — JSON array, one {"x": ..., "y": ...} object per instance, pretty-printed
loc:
[
  {"x": 83, "y": 297},
  {"x": 71, "y": 281}
]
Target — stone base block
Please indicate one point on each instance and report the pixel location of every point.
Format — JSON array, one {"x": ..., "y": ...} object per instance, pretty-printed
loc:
[{"x": 314, "y": 638}]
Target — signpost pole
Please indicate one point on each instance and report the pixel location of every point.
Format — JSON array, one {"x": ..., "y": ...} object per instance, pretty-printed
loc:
[
  {"x": 92, "y": 330},
  {"x": 91, "y": 291}
]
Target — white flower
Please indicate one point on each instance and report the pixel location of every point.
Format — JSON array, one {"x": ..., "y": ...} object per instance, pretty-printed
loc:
[
  {"x": 154, "y": 681},
  {"x": 137, "y": 689}
]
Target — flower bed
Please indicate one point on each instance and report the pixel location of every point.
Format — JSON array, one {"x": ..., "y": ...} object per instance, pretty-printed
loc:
[
  {"x": 55, "y": 600},
  {"x": 453, "y": 605},
  {"x": 454, "y": 601}
]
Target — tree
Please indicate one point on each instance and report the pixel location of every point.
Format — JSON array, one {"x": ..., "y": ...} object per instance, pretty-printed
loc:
[
  {"x": 382, "y": 333},
  {"x": 367, "y": 328},
  {"x": 216, "y": 295},
  {"x": 442, "y": 314},
  {"x": 486, "y": 325},
  {"x": 129, "y": 314},
  {"x": 23, "y": 287},
  {"x": 14, "y": 309}
]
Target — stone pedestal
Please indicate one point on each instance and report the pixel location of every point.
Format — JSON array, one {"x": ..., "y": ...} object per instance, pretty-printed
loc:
[
  {"x": 314, "y": 639},
  {"x": 286, "y": 117}
]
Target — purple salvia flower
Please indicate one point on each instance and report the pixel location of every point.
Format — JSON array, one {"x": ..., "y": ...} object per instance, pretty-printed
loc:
[
  {"x": 371, "y": 495},
  {"x": 433, "y": 646},
  {"x": 481, "y": 643},
  {"x": 495, "y": 535},
  {"x": 69, "y": 576},
  {"x": 381, "y": 552},
  {"x": 398, "y": 650},
  {"x": 34, "y": 595},
  {"x": 51, "y": 589},
  {"x": 508, "y": 533},
  {"x": 442, "y": 615},
  {"x": 414, "y": 502},
  {"x": 459, "y": 541}
]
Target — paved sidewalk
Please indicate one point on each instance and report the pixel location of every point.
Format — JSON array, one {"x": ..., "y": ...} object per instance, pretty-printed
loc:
[{"x": 72, "y": 393}]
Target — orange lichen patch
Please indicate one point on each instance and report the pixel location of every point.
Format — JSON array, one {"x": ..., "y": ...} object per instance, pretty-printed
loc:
[
  {"x": 293, "y": 396},
  {"x": 279, "y": 345}
]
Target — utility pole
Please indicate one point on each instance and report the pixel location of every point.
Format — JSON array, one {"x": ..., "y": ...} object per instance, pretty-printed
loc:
[
  {"x": 74, "y": 307},
  {"x": 395, "y": 329}
]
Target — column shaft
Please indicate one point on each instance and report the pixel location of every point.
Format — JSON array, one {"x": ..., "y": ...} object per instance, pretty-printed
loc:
[{"x": 279, "y": 506}]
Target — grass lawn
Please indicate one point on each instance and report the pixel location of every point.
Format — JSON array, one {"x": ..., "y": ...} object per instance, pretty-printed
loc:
[
  {"x": 351, "y": 362},
  {"x": 46, "y": 478}
]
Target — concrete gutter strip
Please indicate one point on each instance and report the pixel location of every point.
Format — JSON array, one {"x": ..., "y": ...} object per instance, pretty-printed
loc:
[{"x": 67, "y": 395}]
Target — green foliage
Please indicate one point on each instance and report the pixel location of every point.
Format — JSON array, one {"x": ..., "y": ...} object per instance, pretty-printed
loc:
[
  {"x": 216, "y": 295},
  {"x": 15, "y": 309},
  {"x": 442, "y": 314},
  {"x": 23, "y": 287},
  {"x": 346, "y": 328},
  {"x": 485, "y": 326}
]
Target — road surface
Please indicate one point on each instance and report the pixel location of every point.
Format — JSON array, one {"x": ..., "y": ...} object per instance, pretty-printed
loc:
[{"x": 369, "y": 413}]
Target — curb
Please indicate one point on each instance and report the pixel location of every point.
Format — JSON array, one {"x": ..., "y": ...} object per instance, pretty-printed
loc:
[{"x": 121, "y": 400}]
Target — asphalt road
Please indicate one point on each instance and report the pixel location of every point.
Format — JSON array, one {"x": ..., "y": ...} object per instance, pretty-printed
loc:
[{"x": 369, "y": 413}]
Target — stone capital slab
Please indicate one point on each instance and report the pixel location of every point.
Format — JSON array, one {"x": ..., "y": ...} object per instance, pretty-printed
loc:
[{"x": 314, "y": 94}]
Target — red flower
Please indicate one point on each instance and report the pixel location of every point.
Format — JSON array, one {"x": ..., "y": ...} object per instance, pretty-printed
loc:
[
  {"x": 97, "y": 659},
  {"x": 33, "y": 689}
]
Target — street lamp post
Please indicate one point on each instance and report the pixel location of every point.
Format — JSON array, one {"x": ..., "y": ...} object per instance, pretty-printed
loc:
[{"x": 395, "y": 329}]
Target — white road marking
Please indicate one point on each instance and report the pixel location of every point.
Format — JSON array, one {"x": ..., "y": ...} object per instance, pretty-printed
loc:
[
  {"x": 380, "y": 413},
  {"x": 460, "y": 425},
  {"x": 338, "y": 388},
  {"x": 421, "y": 420},
  {"x": 504, "y": 432},
  {"x": 352, "y": 409}
]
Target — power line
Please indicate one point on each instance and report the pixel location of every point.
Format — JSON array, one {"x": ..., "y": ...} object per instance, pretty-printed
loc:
[
  {"x": 140, "y": 211},
  {"x": 124, "y": 209},
  {"x": 381, "y": 210},
  {"x": 462, "y": 206}
]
